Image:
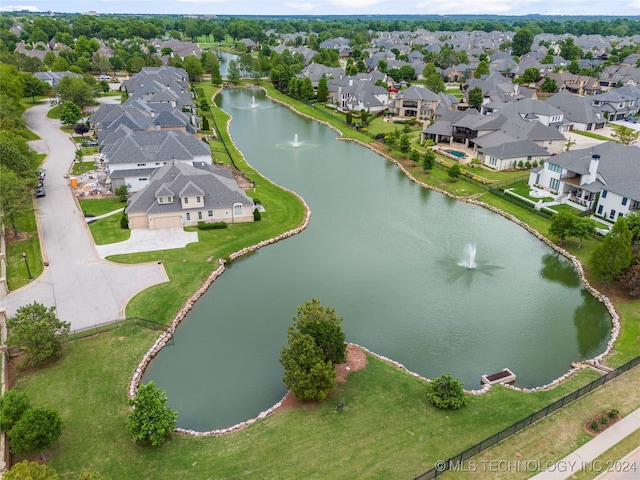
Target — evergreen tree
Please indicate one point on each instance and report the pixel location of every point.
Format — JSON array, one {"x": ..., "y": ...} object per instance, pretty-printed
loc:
[{"x": 323, "y": 90}]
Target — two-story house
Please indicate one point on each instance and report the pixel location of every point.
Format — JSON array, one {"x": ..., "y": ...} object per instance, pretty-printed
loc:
[
  {"x": 180, "y": 195},
  {"x": 604, "y": 178}
]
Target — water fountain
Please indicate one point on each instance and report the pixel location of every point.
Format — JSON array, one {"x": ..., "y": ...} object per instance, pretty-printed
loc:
[
  {"x": 295, "y": 143},
  {"x": 253, "y": 102},
  {"x": 468, "y": 259}
]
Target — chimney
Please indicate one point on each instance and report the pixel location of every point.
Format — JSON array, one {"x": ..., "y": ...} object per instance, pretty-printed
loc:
[{"x": 593, "y": 167}]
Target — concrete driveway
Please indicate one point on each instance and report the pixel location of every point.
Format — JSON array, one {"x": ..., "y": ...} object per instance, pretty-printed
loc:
[{"x": 85, "y": 289}]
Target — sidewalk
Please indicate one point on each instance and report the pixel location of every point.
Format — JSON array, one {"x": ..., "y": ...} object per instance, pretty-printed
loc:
[{"x": 583, "y": 457}]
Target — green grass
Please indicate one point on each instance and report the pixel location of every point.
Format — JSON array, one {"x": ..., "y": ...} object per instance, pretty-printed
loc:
[
  {"x": 100, "y": 206},
  {"x": 79, "y": 168},
  {"x": 386, "y": 420},
  {"x": 107, "y": 230},
  {"x": 54, "y": 113},
  {"x": 27, "y": 242},
  {"x": 591, "y": 135}
]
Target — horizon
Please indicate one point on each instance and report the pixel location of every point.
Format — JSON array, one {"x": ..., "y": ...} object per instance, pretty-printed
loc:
[{"x": 505, "y": 8}]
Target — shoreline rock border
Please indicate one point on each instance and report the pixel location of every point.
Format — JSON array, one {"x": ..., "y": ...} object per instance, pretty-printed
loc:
[{"x": 166, "y": 336}]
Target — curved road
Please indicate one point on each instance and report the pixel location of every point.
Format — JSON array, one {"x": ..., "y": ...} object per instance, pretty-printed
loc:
[{"x": 84, "y": 289}]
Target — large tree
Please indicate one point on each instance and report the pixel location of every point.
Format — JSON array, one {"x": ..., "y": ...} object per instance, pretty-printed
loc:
[
  {"x": 481, "y": 69},
  {"x": 37, "y": 333},
  {"x": 324, "y": 326},
  {"x": 613, "y": 256},
  {"x": 32, "y": 86},
  {"x": 475, "y": 98},
  {"x": 76, "y": 90},
  {"x": 13, "y": 405},
  {"x": 151, "y": 419},
  {"x": 522, "y": 41},
  {"x": 15, "y": 200},
  {"x": 36, "y": 431},
  {"x": 16, "y": 154},
  {"x": 323, "y": 90},
  {"x": 233, "y": 75},
  {"x": 307, "y": 373},
  {"x": 70, "y": 113},
  {"x": 193, "y": 67}
]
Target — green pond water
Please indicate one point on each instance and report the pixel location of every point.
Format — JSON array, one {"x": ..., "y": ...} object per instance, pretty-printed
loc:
[{"x": 390, "y": 257}]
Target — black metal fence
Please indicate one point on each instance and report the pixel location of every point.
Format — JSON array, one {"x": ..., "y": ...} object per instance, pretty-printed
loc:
[
  {"x": 108, "y": 326},
  {"x": 457, "y": 460}
]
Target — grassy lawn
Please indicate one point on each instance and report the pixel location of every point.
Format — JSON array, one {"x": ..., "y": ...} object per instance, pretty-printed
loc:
[
  {"x": 101, "y": 206},
  {"x": 556, "y": 436},
  {"x": 591, "y": 135},
  {"x": 27, "y": 242},
  {"x": 386, "y": 419}
]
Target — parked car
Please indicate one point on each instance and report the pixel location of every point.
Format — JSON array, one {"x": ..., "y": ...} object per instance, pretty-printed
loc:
[
  {"x": 105, "y": 77},
  {"x": 632, "y": 119},
  {"x": 39, "y": 192},
  {"x": 89, "y": 143},
  {"x": 41, "y": 173}
]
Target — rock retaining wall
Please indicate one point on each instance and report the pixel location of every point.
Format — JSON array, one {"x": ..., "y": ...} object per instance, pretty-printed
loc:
[{"x": 166, "y": 336}]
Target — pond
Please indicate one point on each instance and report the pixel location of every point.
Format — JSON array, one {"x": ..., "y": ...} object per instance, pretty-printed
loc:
[{"x": 434, "y": 283}]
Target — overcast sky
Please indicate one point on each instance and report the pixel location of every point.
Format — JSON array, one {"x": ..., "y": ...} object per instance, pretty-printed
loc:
[{"x": 337, "y": 7}]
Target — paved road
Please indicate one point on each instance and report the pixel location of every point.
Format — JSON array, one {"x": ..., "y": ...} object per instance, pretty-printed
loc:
[{"x": 85, "y": 289}]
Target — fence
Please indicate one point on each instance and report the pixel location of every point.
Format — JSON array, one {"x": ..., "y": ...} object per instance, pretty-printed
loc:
[
  {"x": 108, "y": 326},
  {"x": 457, "y": 460}
]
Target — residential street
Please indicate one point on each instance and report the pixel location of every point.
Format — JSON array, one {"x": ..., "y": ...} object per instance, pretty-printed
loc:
[{"x": 85, "y": 289}]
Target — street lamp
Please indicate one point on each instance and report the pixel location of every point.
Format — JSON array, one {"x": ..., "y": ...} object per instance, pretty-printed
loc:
[{"x": 24, "y": 255}]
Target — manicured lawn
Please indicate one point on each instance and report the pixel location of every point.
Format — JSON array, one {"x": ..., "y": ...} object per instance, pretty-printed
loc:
[
  {"x": 101, "y": 206},
  {"x": 54, "y": 113},
  {"x": 107, "y": 230},
  {"x": 27, "y": 242},
  {"x": 591, "y": 135},
  {"x": 386, "y": 420}
]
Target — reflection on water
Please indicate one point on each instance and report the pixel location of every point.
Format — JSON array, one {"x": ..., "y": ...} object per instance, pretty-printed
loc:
[{"x": 556, "y": 268}]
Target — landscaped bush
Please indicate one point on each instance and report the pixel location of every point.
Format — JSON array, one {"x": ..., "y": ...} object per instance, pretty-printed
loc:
[
  {"x": 446, "y": 392},
  {"x": 124, "y": 222},
  {"x": 212, "y": 226},
  {"x": 256, "y": 215}
]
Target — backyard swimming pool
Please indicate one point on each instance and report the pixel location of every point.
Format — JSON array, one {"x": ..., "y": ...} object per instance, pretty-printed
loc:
[{"x": 456, "y": 153}]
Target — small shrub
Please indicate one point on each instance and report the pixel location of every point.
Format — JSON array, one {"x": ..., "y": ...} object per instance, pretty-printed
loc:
[
  {"x": 256, "y": 215},
  {"x": 594, "y": 425},
  {"x": 429, "y": 143},
  {"x": 446, "y": 392},
  {"x": 212, "y": 226},
  {"x": 613, "y": 413},
  {"x": 124, "y": 222},
  {"x": 257, "y": 201},
  {"x": 604, "y": 420}
]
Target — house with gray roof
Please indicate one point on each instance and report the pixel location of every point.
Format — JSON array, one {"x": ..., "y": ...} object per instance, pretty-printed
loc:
[
  {"x": 615, "y": 104},
  {"x": 579, "y": 114},
  {"x": 604, "y": 178},
  {"x": 415, "y": 102},
  {"x": 181, "y": 195},
  {"x": 132, "y": 156},
  {"x": 360, "y": 93},
  {"x": 528, "y": 109},
  {"x": 53, "y": 78}
]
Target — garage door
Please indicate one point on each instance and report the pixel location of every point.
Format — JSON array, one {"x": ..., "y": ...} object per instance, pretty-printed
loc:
[{"x": 166, "y": 222}]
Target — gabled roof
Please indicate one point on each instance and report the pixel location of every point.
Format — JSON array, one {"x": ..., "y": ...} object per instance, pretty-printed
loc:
[
  {"x": 521, "y": 148},
  {"x": 618, "y": 167},
  {"x": 218, "y": 189},
  {"x": 576, "y": 109}
]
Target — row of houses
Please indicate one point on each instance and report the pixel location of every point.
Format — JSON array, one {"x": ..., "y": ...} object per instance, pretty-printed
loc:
[{"x": 149, "y": 144}]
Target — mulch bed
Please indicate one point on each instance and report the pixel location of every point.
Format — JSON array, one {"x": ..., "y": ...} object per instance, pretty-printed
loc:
[{"x": 609, "y": 418}]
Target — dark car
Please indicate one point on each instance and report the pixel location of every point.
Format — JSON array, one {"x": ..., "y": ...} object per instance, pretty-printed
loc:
[
  {"x": 632, "y": 119},
  {"x": 39, "y": 192}
]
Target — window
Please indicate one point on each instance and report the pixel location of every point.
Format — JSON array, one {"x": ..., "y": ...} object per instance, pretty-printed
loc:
[
  {"x": 197, "y": 199},
  {"x": 157, "y": 163},
  {"x": 604, "y": 194},
  {"x": 237, "y": 209},
  {"x": 554, "y": 168},
  {"x": 199, "y": 215},
  {"x": 612, "y": 215},
  {"x": 624, "y": 201},
  {"x": 600, "y": 210},
  {"x": 554, "y": 183},
  {"x": 188, "y": 216},
  {"x": 143, "y": 179},
  {"x": 161, "y": 200},
  {"x": 142, "y": 165},
  {"x": 186, "y": 199},
  {"x": 210, "y": 213}
]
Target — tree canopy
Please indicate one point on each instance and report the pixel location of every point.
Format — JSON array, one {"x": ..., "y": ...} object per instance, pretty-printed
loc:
[
  {"x": 151, "y": 419},
  {"x": 446, "y": 392},
  {"x": 613, "y": 256}
]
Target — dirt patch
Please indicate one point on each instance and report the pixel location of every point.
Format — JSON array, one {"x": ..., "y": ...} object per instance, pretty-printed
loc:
[
  {"x": 356, "y": 360},
  {"x": 10, "y": 238},
  {"x": 601, "y": 422}
]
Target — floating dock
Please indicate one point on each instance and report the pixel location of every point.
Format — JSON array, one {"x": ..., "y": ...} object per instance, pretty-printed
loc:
[{"x": 505, "y": 376}]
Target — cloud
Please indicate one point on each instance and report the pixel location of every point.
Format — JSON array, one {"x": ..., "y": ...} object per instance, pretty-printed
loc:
[
  {"x": 303, "y": 7},
  {"x": 355, "y": 4},
  {"x": 467, "y": 6},
  {"x": 18, "y": 8}
]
